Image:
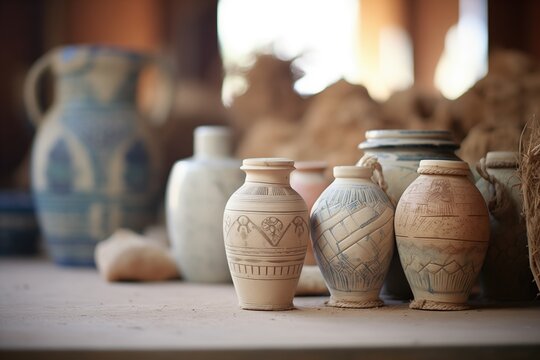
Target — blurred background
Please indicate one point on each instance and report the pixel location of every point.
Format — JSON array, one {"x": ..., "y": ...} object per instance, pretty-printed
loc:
[{"x": 297, "y": 78}]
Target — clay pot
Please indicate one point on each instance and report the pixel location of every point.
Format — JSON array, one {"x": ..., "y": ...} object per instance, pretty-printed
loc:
[
  {"x": 197, "y": 192},
  {"x": 266, "y": 232},
  {"x": 309, "y": 181},
  {"x": 353, "y": 237},
  {"x": 399, "y": 152},
  {"x": 442, "y": 233},
  {"x": 506, "y": 274}
]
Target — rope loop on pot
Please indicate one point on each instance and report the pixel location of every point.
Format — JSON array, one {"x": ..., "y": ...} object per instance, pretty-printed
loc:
[
  {"x": 498, "y": 201},
  {"x": 378, "y": 176}
]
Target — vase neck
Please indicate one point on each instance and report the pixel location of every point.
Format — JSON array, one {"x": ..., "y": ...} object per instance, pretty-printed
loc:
[
  {"x": 277, "y": 177},
  {"x": 212, "y": 142}
]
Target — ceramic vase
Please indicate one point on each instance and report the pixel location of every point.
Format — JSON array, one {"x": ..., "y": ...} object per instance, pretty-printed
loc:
[
  {"x": 353, "y": 237},
  {"x": 94, "y": 167},
  {"x": 197, "y": 192},
  {"x": 309, "y": 180},
  {"x": 442, "y": 233},
  {"x": 400, "y": 152},
  {"x": 506, "y": 275},
  {"x": 266, "y": 231}
]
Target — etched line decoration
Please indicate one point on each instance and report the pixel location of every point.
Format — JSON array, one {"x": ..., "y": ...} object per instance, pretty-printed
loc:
[
  {"x": 271, "y": 228},
  {"x": 350, "y": 226}
]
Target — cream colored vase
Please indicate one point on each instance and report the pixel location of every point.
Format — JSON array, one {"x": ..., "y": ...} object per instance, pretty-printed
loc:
[
  {"x": 353, "y": 237},
  {"x": 506, "y": 275},
  {"x": 266, "y": 232},
  {"x": 442, "y": 233}
]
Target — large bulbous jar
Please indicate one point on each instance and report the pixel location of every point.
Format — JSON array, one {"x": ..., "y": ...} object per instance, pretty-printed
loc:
[
  {"x": 197, "y": 192},
  {"x": 352, "y": 226},
  {"x": 266, "y": 231},
  {"x": 400, "y": 152},
  {"x": 442, "y": 233},
  {"x": 506, "y": 275},
  {"x": 95, "y": 168}
]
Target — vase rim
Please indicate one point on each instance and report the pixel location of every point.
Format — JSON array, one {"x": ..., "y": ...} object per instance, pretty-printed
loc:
[
  {"x": 443, "y": 167},
  {"x": 502, "y": 159},
  {"x": 408, "y": 138},
  {"x": 355, "y": 172},
  {"x": 311, "y": 165},
  {"x": 268, "y": 164},
  {"x": 100, "y": 49}
]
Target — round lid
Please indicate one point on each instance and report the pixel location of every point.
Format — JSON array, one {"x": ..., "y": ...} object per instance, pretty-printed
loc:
[
  {"x": 443, "y": 167},
  {"x": 408, "y": 138},
  {"x": 502, "y": 159},
  {"x": 267, "y": 164},
  {"x": 311, "y": 165},
  {"x": 357, "y": 172}
]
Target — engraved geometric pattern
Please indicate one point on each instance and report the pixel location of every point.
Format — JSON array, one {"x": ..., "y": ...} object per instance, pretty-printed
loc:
[
  {"x": 255, "y": 248},
  {"x": 442, "y": 232},
  {"x": 352, "y": 231}
]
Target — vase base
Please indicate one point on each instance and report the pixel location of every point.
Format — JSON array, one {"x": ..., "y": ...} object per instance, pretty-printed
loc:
[
  {"x": 437, "y": 305},
  {"x": 355, "y": 304},
  {"x": 268, "y": 307}
]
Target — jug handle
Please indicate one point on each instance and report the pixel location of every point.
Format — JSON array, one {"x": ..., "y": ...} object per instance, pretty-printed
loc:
[
  {"x": 162, "y": 107},
  {"x": 30, "y": 88}
]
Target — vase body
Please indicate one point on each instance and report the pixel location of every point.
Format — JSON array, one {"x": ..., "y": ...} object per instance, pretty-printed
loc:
[
  {"x": 353, "y": 237},
  {"x": 400, "y": 152},
  {"x": 94, "y": 167},
  {"x": 309, "y": 181},
  {"x": 197, "y": 192},
  {"x": 506, "y": 275},
  {"x": 442, "y": 233},
  {"x": 266, "y": 231}
]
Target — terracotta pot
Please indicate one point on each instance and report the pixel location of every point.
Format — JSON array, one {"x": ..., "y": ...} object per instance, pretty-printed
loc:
[
  {"x": 197, "y": 192},
  {"x": 353, "y": 237},
  {"x": 506, "y": 274},
  {"x": 400, "y": 152},
  {"x": 266, "y": 232},
  {"x": 309, "y": 181},
  {"x": 442, "y": 233}
]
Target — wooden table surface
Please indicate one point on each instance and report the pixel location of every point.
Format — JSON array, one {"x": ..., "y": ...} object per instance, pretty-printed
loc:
[{"x": 48, "y": 311}]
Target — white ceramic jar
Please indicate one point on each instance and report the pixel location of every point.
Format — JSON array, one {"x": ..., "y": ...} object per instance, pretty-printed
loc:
[{"x": 197, "y": 192}]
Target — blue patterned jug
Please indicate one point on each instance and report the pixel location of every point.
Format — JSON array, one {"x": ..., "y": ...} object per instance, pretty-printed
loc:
[{"x": 94, "y": 167}]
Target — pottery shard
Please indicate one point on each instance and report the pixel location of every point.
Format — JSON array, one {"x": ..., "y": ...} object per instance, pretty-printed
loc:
[{"x": 129, "y": 256}]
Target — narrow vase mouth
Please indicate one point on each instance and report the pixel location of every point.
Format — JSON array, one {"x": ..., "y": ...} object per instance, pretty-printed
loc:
[
  {"x": 502, "y": 159},
  {"x": 353, "y": 172},
  {"x": 408, "y": 138},
  {"x": 443, "y": 167},
  {"x": 268, "y": 164},
  {"x": 311, "y": 166}
]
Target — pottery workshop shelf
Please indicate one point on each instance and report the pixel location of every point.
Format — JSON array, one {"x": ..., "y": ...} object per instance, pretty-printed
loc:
[{"x": 67, "y": 313}]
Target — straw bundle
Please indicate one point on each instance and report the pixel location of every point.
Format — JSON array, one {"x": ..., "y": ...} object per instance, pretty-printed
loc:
[{"x": 529, "y": 170}]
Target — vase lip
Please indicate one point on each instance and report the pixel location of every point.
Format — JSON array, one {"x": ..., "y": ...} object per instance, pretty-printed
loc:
[
  {"x": 311, "y": 165},
  {"x": 352, "y": 171},
  {"x": 502, "y": 159},
  {"x": 393, "y": 138},
  {"x": 271, "y": 163},
  {"x": 443, "y": 167},
  {"x": 213, "y": 130}
]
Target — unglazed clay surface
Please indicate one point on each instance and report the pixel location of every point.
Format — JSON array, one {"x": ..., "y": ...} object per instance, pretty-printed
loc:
[
  {"x": 506, "y": 274},
  {"x": 266, "y": 232},
  {"x": 442, "y": 233},
  {"x": 352, "y": 231}
]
